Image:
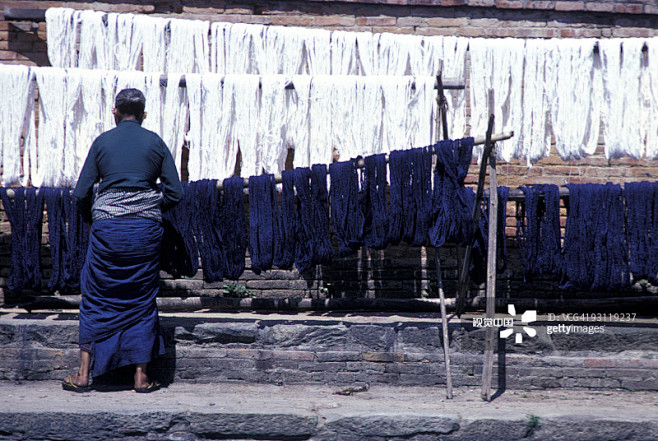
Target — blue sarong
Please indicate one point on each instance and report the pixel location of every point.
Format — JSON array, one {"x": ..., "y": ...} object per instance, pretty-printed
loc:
[{"x": 119, "y": 282}]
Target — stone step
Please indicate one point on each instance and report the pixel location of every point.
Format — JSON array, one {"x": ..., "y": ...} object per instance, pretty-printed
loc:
[
  {"x": 342, "y": 349},
  {"x": 237, "y": 411}
]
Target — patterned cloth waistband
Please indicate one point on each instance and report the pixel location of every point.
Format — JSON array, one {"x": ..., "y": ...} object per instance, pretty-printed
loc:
[{"x": 118, "y": 202}]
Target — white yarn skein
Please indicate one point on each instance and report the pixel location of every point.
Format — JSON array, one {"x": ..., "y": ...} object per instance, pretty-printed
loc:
[
  {"x": 19, "y": 96},
  {"x": 298, "y": 126}
]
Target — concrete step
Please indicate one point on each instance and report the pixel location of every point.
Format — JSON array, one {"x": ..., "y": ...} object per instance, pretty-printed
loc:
[
  {"x": 341, "y": 349},
  {"x": 238, "y": 411}
]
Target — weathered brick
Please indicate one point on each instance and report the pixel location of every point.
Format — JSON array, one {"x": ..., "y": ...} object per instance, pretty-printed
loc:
[
  {"x": 447, "y": 22},
  {"x": 629, "y": 8},
  {"x": 287, "y": 20},
  {"x": 383, "y": 357},
  {"x": 569, "y": 6},
  {"x": 376, "y": 21},
  {"x": 540, "y": 4},
  {"x": 509, "y": 4},
  {"x": 599, "y": 7},
  {"x": 334, "y": 20}
]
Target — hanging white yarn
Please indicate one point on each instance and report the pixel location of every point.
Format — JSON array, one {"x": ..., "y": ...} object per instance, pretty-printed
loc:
[
  {"x": 397, "y": 95},
  {"x": 120, "y": 51},
  {"x": 317, "y": 46},
  {"x": 369, "y": 108},
  {"x": 425, "y": 54},
  {"x": 368, "y": 53},
  {"x": 188, "y": 50},
  {"x": 345, "y": 117},
  {"x": 72, "y": 118},
  {"x": 298, "y": 126},
  {"x": 130, "y": 80},
  {"x": 154, "y": 37},
  {"x": 109, "y": 85},
  {"x": 321, "y": 148},
  {"x": 46, "y": 165},
  {"x": 194, "y": 100},
  {"x": 217, "y": 47},
  {"x": 246, "y": 99},
  {"x": 497, "y": 64},
  {"x": 393, "y": 54},
  {"x": 273, "y": 123},
  {"x": 62, "y": 35},
  {"x": 286, "y": 49},
  {"x": 535, "y": 130},
  {"x": 174, "y": 117},
  {"x": 343, "y": 53},
  {"x": 217, "y": 121},
  {"x": 18, "y": 94},
  {"x": 652, "y": 74},
  {"x": 454, "y": 67},
  {"x": 91, "y": 113},
  {"x": 421, "y": 111},
  {"x": 154, "y": 94},
  {"x": 238, "y": 49},
  {"x": 576, "y": 97},
  {"x": 621, "y": 100},
  {"x": 209, "y": 128},
  {"x": 92, "y": 40},
  {"x": 226, "y": 142},
  {"x": 263, "y": 62}
]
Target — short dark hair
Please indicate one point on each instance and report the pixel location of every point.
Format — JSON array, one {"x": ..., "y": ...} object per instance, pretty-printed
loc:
[{"x": 130, "y": 102}]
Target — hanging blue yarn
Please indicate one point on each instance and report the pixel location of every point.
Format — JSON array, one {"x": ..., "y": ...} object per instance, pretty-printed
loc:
[
  {"x": 373, "y": 202},
  {"x": 180, "y": 255},
  {"x": 205, "y": 225},
  {"x": 452, "y": 218},
  {"x": 313, "y": 245},
  {"x": 68, "y": 238},
  {"x": 287, "y": 238},
  {"x": 263, "y": 222},
  {"x": 56, "y": 235},
  {"x": 538, "y": 231},
  {"x": 323, "y": 247},
  {"x": 411, "y": 195},
  {"x": 642, "y": 229},
  {"x": 479, "y": 253},
  {"x": 595, "y": 251},
  {"x": 399, "y": 175},
  {"x": 233, "y": 221},
  {"x": 345, "y": 212},
  {"x": 25, "y": 214}
]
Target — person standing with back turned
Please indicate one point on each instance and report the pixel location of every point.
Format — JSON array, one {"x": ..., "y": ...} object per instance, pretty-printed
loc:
[{"x": 120, "y": 278}]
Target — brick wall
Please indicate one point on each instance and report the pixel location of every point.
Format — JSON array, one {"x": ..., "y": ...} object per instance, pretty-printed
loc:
[{"x": 370, "y": 273}]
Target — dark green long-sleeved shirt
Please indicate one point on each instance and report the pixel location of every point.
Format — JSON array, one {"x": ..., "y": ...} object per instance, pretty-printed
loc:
[{"x": 128, "y": 156}]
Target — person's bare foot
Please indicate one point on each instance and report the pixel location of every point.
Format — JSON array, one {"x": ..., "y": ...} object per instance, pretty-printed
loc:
[
  {"x": 78, "y": 379},
  {"x": 76, "y": 383}
]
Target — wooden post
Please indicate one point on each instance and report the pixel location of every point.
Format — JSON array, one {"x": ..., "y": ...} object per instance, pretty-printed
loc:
[
  {"x": 463, "y": 275},
  {"x": 442, "y": 119},
  {"x": 491, "y": 331}
]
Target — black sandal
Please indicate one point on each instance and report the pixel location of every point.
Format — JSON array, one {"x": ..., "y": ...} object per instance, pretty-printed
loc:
[
  {"x": 152, "y": 387},
  {"x": 68, "y": 384}
]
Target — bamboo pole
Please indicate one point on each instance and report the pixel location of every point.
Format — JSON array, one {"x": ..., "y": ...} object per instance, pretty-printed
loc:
[
  {"x": 443, "y": 120},
  {"x": 491, "y": 331}
]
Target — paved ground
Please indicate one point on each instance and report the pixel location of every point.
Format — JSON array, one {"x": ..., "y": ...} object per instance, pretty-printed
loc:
[{"x": 188, "y": 412}]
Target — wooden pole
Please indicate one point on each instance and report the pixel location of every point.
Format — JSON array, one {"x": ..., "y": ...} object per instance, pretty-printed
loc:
[
  {"x": 491, "y": 331},
  {"x": 463, "y": 275},
  {"x": 443, "y": 119}
]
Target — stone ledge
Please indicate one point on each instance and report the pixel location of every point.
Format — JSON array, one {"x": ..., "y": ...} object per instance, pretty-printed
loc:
[{"x": 186, "y": 411}]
